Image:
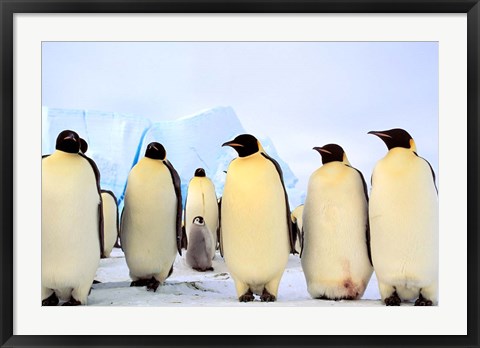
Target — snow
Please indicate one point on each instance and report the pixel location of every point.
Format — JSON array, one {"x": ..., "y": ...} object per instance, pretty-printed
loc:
[{"x": 187, "y": 287}]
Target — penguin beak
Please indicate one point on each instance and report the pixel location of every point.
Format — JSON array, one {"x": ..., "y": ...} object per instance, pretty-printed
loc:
[
  {"x": 380, "y": 134},
  {"x": 232, "y": 144},
  {"x": 321, "y": 149}
]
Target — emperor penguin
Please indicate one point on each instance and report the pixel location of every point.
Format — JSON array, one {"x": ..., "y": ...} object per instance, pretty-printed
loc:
[
  {"x": 72, "y": 226},
  {"x": 199, "y": 251},
  {"x": 110, "y": 220},
  {"x": 297, "y": 223},
  {"x": 335, "y": 255},
  {"x": 256, "y": 226},
  {"x": 404, "y": 223},
  {"x": 202, "y": 201},
  {"x": 151, "y": 226}
]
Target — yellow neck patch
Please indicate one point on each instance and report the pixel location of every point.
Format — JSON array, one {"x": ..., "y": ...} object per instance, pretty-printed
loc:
[{"x": 413, "y": 147}]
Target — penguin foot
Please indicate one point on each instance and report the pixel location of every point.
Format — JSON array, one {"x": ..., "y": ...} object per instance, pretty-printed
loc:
[
  {"x": 153, "y": 285},
  {"x": 246, "y": 297},
  {"x": 203, "y": 269},
  {"x": 72, "y": 302},
  {"x": 323, "y": 297},
  {"x": 422, "y": 301},
  {"x": 267, "y": 297},
  {"x": 50, "y": 301},
  {"x": 140, "y": 282},
  {"x": 393, "y": 300}
]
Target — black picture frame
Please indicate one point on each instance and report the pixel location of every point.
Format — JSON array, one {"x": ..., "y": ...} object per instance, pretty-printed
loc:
[{"x": 10, "y": 7}]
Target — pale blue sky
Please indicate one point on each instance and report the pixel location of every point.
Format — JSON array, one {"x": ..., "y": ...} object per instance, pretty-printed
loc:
[{"x": 300, "y": 94}]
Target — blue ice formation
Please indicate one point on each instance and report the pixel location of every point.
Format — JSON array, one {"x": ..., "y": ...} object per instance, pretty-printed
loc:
[{"x": 117, "y": 141}]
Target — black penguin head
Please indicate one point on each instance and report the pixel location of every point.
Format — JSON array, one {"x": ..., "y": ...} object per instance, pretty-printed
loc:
[
  {"x": 200, "y": 172},
  {"x": 396, "y": 137},
  {"x": 68, "y": 141},
  {"x": 331, "y": 153},
  {"x": 83, "y": 146},
  {"x": 155, "y": 151},
  {"x": 244, "y": 144},
  {"x": 198, "y": 220}
]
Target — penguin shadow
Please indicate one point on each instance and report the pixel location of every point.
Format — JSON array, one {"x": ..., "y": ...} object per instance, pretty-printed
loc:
[
  {"x": 168, "y": 287},
  {"x": 110, "y": 285}
]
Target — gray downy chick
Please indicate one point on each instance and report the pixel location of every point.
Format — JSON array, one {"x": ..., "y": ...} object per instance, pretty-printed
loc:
[{"x": 199, "y": 250}]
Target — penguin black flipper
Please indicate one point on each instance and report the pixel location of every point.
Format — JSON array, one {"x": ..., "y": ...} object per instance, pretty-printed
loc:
[
  {"x": 295, "y": 232},
  {"x": 367, "y": 228},
  {"x": 289, "y": 220},
  {"x": 178, "y": 192},
  {"x": 184, "y": 239},
  {"x": 219, "y": 228},
  {"x": 100, "y": 205},
  {"x": 120, "y": 235},
  {"x": 433, "y": 173},
  {"x": 44, "y": 156},
  {"x": 301, "y": 244}
]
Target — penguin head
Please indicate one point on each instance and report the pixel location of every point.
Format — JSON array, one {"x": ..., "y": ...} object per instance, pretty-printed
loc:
[
  {"x": 200, "y": 172},
  {"x": 244, "y": 144},
  {"x": 198, "y": 220},
  {"x": 332, "y": 153},
  {"x": 396, "y": 137},
  {"x": 68, "y": 141},
  {"x": 155, "y": 151},
  {"x": 83, "y": 146}
]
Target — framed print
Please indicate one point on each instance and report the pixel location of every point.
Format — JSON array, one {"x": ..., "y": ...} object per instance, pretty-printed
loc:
[{"x": 295, "y": 75}]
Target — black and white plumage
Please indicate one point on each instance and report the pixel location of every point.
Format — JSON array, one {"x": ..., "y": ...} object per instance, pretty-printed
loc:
[
  {"x": 404, "y": 222},
  {"x": 72, "y": 226},
  {"x": 256, "y": 231},
  {"x": 151, "y": 227},
  {"x": 335, "y": 252}
]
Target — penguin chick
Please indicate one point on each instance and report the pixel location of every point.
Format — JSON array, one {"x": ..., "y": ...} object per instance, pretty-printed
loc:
[
  {"x": 255, "y": 217},
  {"x": 202, "y": 201},
  {"x": 199, "y": 251},
  {"x": 404, "y": 222},
  {"x": 151, "y": 230},
  {"x": 335, "y": 256},
  {"x": 110, "y": 221},
  {"x": 71, "y": 223}
]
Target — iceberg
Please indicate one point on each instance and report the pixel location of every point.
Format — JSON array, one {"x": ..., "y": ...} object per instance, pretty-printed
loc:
[
  {"x": 196, "y": 141},
  {"x": 117, "y": 141}
]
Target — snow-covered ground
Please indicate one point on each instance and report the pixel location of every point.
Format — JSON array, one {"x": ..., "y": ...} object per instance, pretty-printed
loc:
[{"x": 187, "y": 287}]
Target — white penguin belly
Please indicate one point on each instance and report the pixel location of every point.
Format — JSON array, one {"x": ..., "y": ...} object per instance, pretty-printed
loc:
[
  {"x": 148, "y": 230},
  {"x": 70, "y": 236},
  {"x": 202, "y": 201},
  {"x": 335, "y": 257},
  {"x": 110, "y": 223},
  {"x": 404, "y": 224},
  {"x": 254, "y": 222}
]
